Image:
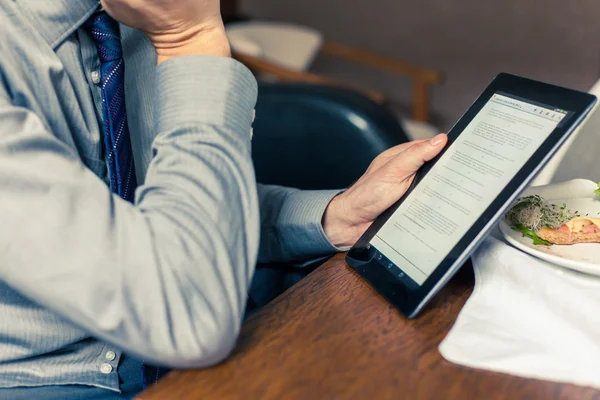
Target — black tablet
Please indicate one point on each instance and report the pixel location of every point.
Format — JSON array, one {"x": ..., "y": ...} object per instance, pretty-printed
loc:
[{"x": 493, "y": 152}]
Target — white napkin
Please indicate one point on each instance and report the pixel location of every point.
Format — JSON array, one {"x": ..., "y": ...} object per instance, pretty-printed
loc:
[{"x": 529, "y": 318}]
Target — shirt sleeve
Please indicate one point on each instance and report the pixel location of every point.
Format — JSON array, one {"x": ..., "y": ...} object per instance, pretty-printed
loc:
[
  {"x": 167, "y": 277},
  {"x": 291, "y": 224}
]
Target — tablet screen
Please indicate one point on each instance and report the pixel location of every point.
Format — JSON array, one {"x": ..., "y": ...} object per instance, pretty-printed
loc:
[{"x": 462, "y": 184}]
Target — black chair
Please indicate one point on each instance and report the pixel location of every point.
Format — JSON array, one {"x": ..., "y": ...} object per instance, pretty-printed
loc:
[
  {"x": 315, "y": 137},
  {"x": 318, "y": 137}
]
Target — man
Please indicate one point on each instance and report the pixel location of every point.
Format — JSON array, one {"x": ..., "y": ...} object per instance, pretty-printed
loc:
[{"x": 96, "y": 274}]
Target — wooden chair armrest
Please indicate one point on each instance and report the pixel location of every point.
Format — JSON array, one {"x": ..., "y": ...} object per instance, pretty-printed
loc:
[
  {"x": 259, "y": 65},
  {"x": 367, "y": 58},
  {"x": 422, "y": 77}
]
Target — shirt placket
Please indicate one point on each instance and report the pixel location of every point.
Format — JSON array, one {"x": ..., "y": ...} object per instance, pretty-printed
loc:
[{"x": 91, "y": 65}]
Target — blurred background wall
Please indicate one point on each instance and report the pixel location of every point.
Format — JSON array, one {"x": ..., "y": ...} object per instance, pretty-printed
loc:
[{"x": 469, "y": 41}]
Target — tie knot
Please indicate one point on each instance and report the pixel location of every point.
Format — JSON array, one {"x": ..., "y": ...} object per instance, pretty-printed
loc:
[{"x": 105, "y": 34}]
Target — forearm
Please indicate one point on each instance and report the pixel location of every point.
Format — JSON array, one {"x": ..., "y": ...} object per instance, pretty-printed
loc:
[
  {"x": 291, "y": 224},
  {"x": 165, "y": 279}
]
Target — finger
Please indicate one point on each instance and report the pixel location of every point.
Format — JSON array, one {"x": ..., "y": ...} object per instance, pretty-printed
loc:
[
  {"x": 416, "y": 155},
  {"x": 393, "y": 151}
]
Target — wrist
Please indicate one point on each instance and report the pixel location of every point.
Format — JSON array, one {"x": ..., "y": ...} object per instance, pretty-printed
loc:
[
  {"x": 337, "y": 224},
  {"x": 199, "y": 41}
]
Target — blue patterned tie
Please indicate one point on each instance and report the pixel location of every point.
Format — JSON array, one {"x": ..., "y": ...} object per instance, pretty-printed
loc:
[{"x": 106, "y": 36}]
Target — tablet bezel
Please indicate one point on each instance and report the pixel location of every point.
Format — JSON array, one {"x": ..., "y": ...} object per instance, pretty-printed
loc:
[{"x": 410, "y": 300}]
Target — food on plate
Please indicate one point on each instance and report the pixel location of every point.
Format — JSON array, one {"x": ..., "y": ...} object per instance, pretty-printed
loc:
[
  {"x": 548, "y": 223},
  {"x": 577, "y": 230}
]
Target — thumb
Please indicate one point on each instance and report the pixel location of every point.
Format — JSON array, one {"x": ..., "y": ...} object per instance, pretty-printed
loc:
[{"x": 415, "y": 156}]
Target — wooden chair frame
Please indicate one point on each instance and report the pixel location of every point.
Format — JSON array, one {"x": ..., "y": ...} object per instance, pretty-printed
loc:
[{"x": 422, "y": 78}]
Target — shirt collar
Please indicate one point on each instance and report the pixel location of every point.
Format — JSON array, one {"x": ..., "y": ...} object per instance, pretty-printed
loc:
[{"x": 55, "y": 20}]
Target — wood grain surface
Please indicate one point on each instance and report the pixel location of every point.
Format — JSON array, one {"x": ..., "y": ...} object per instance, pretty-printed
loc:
[{"x": 333, "y": 337}]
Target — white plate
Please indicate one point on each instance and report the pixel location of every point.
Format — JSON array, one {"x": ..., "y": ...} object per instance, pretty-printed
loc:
[{"x": 584, "y": 257}]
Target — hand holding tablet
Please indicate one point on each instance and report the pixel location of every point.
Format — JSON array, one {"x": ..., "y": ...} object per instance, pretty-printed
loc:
[{"x": 494, "y": 151}]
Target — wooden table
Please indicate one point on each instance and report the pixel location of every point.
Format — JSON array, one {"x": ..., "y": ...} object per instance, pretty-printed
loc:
[{"x": 332, "y": 337}]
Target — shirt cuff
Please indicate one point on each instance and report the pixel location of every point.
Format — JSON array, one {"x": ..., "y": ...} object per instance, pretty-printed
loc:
[
  {"x": 212, "y": 90},
  {"x": 300, "y": 224}
]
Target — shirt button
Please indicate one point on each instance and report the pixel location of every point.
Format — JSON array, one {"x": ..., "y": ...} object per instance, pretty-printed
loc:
[
  {"x": 110, "y": 355},
  {"x": 96, "y": 77},
  {"x": 106, "y": 368}
]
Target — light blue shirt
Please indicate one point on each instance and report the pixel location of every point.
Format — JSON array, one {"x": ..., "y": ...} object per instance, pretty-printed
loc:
[{"x": 84, "y": 274}]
